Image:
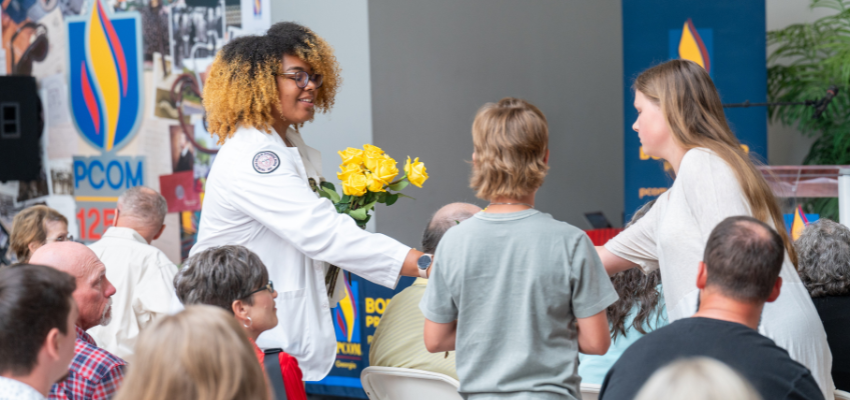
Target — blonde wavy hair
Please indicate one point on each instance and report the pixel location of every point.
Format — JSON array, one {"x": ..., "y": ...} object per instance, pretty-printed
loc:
[
  {"x": 30, "y": 226},
  {"x": 241, "y": 88},
  {"x": 693, "y": 111},
  {"x": 510, "y": 139},
  {"x": 697, "y": 378},
  {"x": 200, "y": 353}
]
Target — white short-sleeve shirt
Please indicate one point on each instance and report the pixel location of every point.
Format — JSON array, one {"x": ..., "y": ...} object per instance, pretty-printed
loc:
[
  {"x": 258, "y": 195},
  {"x": 143, "y": 277},
  {"x": 673, "y": 234}
]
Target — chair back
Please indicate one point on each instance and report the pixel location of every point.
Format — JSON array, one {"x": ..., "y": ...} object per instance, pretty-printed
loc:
[
  {"x": 590, "y": 391},
  {"x": 386, "y": 383}
]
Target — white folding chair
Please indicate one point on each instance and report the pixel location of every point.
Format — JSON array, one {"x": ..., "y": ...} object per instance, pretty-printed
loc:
[
  {"x": 841, "y": 395},
  {"x": 385, "y": 383},
  {"x": 590, "y": 391}
]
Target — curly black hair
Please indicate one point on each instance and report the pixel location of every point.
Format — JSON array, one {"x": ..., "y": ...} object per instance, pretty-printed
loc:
[
  {"x": 634, "y": 287},
  {"x": 242, "y": 86}
]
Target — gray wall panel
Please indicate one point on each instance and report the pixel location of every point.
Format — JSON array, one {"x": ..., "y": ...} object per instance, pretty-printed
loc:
[{"x": 434, "y": 63}]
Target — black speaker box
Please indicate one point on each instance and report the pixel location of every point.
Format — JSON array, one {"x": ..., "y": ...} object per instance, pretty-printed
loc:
[{"x": 21, "y": 125}]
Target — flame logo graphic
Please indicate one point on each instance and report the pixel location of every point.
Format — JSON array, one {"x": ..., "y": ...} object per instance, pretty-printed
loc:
[
  {"x": 105, "y": 70},
  {"x": 691, "y": 47},
  {"x": 799, "y": 224},
  {"x": 258, "y": 8},
  {"x": 346, "y": 313}
]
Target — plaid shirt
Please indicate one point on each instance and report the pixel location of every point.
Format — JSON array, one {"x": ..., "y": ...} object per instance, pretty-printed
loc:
[{"x": 94, "y": 374}]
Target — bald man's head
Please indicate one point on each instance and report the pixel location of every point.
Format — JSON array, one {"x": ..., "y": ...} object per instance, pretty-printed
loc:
[
  {"x": 445, "y": 218},
  {"x": 93, "y": 289}
]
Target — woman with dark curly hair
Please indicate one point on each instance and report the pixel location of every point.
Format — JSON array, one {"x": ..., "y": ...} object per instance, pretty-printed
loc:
[
  {"x": 261, "y": 191},
  {"x": 639, "y": 310},
  {"x": 823, "y": 251}
]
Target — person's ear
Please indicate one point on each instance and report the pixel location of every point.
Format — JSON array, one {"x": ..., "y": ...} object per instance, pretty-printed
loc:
[
  {"x": 774, "y": 293},
  {"x": 51, "y": 344},
  {"x": 239, "y": 310},
  {"x": 702, "y": 276},
  {"x": 33, "y": 246},
  {"x": 158, "y": 234},
  {"x": 546, "y": 157},
  {"x": 117, "y": 214}
]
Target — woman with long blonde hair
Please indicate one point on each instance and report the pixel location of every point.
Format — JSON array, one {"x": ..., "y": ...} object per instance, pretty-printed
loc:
[
  {"x": 681, "y": 119},
  {"x": 199, "y": 354}
]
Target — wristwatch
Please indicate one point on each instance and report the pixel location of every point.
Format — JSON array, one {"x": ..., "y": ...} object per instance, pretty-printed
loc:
[{"x": 423, "y": 263}]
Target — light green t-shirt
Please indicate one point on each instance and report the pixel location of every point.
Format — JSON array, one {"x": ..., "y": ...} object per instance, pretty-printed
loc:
[{"x": 516, "y": 283}]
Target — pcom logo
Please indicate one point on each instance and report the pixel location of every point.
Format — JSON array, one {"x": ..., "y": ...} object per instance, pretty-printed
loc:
[
  {"x": 346, "y": 321},
  {"x": 105, "y": 72},
  {"x": 691, "y": 43}
]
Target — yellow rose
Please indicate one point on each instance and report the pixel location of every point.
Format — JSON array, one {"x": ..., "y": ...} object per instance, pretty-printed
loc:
[
  {"x": 374, "y": 184},
  {"x": 368, "y": 148},
  {"x": 416, "y": 172},
  {"x": 351, "y": 156},
  {"x": 385, "y": 171},
  {"x": 354, "y": 185},
  {"x": 372, "y": 155},
  {"x": 347, "y": 169}
]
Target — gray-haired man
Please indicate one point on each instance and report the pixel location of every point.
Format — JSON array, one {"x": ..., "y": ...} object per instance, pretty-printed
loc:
[
  {"x": 398, "y": 340},
  {"x": 141, "y": 273}
]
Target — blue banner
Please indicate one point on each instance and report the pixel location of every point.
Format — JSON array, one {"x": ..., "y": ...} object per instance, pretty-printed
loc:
[
  {"x": 355, "y": 320},
  {"x": 726, "y": 37}
]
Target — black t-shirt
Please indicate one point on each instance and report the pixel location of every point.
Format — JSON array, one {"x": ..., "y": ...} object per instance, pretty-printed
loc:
[
  {"x": 768, "y": 367},
  {"x": 834, "y": 311}
]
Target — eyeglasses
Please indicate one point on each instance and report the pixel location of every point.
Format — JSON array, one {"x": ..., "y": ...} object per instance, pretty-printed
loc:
[
  {"x": 269, "y": 287},
  {"x": 69, "y": 238},
  {"x": 302, "y": 78}
]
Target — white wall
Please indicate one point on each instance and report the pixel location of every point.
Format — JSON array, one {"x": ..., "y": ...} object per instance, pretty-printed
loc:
[{"x": 786, "y": 145}]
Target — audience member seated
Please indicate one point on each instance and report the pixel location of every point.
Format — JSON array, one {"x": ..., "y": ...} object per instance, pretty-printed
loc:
[
  {"x": 34, "y": 227},
  {"x": 95, "y": 373},
  {"x": 142, "y": 274},
  {"x": 398, "y": 339},
  {"x": 698, "y": 378},
  {"x": 234, "y": 278},
  {"x": 197, "y": 354},
  {"x": 37, "y": 315},
  {"x": 740, "y": 272},
  {"x": 823, "y": 253},
  {"x": 516, "y": 292},
  {"x": 639, "y": 310}
]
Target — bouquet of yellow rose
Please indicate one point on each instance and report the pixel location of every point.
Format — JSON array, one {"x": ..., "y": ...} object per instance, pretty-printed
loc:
[{"x": 369, "y": 177}]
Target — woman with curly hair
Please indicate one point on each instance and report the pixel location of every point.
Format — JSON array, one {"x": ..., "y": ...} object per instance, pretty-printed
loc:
[
  {"x": 639, "y": 310},
  {"x": 261, "y": 191}
]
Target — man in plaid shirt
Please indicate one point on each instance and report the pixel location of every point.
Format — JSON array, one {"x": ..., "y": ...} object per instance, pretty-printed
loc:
[{"x": 95, "y": 373}]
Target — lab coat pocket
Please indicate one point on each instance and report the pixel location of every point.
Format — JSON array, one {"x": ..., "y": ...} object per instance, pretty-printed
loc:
[{"x": 292, "y": 321}]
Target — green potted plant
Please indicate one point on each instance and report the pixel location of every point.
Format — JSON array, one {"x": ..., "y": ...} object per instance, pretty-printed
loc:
[{"x": 804, "y": 60}]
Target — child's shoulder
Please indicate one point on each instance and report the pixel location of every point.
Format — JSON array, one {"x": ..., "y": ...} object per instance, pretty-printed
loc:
[{"x": 557, "y": 227}]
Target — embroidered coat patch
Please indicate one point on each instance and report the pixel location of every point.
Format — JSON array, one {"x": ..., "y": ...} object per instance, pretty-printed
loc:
[{"x": 266, "y": 162}]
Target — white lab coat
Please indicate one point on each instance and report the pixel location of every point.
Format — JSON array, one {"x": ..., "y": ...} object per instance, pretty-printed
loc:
[{"x": 295, "y": 233}]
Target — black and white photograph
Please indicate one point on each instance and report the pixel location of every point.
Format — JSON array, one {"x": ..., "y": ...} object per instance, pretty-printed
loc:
[{"x": 197, "y": 33}]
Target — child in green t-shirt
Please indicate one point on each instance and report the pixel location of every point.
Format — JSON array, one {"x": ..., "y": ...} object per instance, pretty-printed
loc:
[{"x": 515, "y": 292}]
